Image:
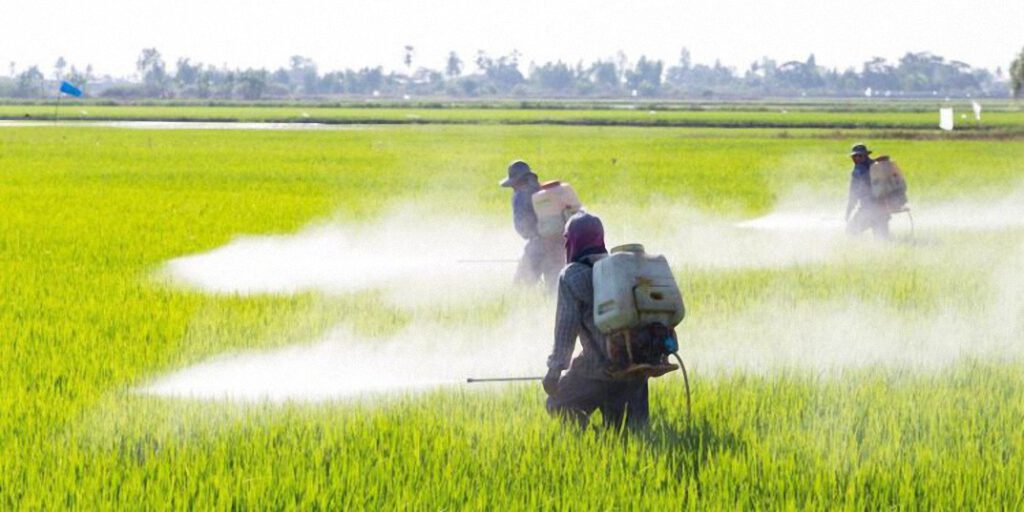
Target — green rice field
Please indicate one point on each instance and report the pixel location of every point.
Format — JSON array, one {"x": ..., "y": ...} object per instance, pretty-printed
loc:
[
  {"x": 871, "y": 376},
  {"x": 997, "y": 117}
]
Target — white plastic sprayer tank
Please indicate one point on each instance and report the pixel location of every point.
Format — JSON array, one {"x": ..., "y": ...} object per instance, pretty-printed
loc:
[
  {"x": 886, "y": 179},
  {"x": 554, "y": 203},
  {"x": 633, "y": 288}
]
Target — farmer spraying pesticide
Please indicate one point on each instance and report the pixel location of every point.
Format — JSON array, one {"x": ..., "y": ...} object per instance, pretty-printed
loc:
[
  {"x": 539, "y": 212},
  {"x": 877, "y": 190},
  {"x": 623, "y": 308}
]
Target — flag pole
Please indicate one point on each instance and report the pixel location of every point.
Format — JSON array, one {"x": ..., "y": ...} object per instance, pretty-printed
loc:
[{"x": 56, "y": 109}]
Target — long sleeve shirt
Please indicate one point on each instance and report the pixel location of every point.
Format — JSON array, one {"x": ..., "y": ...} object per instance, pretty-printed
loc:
[
  {"x": 860, "y": 182},
  {"x": 575, "y": 318},
  {"x": 523, "y": 217}
]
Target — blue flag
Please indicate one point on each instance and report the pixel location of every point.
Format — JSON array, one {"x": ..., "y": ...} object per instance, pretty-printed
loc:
[{"x": 70, "y": 90}]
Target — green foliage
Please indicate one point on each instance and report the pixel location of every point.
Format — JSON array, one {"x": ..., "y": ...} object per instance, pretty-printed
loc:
[
  {"x": 87, "y": 214},
  {"x": 1017, "y": 75}
]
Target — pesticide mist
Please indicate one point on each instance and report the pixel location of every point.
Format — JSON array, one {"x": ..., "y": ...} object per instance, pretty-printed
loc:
[{"x": 424, "y": 264}]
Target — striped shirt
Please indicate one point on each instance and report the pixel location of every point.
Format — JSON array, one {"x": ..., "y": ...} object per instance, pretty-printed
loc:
[{"x": 574, "y": 318}]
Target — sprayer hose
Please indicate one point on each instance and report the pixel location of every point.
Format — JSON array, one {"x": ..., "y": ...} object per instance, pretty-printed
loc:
[{"x": 686, "y": 382}]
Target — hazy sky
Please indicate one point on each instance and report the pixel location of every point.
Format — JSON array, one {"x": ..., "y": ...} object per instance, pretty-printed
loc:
[{"x": 336, "y": 34}]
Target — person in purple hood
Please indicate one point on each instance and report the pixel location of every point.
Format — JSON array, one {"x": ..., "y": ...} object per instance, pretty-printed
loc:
[{"x": 587, "y": 386}]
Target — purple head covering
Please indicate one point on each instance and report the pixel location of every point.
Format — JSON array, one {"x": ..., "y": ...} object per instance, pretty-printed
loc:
[{"x": 584, "y": 235}]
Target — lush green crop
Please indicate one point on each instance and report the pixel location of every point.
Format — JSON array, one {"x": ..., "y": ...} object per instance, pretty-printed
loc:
[
  {"x": 87, "y": 214},
  {"x": 1000, "y": 118}
]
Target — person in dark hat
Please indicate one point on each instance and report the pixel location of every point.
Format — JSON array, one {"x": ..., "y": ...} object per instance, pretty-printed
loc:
[
  {"x": 588, "y": 385},
  {"x": 542, "y": 257},
  {"x": 871, "y": 213}
]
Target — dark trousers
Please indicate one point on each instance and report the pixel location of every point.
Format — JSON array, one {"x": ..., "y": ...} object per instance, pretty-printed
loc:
[
  {"x": 542, "y": 257},
  {"x": 622, "y": 403}
]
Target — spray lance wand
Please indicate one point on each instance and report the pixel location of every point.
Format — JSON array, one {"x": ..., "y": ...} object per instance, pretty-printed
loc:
[
  {"x": 472, "y": 380},
  {"x": 669, "y": 345}
]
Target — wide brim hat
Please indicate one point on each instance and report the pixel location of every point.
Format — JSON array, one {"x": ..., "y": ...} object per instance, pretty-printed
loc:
[
  {"x": 517, "y": 170},
  {"x": 859, "y": 149}
]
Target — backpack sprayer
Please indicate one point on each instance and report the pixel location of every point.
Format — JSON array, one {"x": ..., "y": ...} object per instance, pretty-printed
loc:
[
  {"x": 890, "y": 187},
  {"x": 637, "y": 304}
]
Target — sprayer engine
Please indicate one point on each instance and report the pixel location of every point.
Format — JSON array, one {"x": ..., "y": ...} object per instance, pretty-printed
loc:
[{"x": 642, "y": 351}]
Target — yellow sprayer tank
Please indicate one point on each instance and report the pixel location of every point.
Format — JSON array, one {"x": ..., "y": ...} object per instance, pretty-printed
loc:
[
  {"x": 554, "y": 203},
  {"x": 633, "y": 288}
]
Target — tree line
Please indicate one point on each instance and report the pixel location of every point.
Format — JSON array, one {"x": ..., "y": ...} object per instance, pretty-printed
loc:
[{"x": 914, "y": 74}]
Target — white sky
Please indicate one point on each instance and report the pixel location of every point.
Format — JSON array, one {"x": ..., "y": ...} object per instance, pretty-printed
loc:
[{"x": 337, "y": 34}]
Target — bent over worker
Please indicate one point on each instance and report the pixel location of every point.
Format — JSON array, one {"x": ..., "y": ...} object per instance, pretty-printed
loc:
[
  {"x": 872, "y": 213},
  {"x": 587, "y": 386},
  {"x": 542, "y": 257}
]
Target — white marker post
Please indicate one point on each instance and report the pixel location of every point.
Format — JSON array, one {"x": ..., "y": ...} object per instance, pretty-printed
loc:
[{"x": 946, "y": 118}]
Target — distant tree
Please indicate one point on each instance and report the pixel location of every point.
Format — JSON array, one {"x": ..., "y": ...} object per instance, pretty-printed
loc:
[
  {"x": 79, "y": 78},
  {"x": 1017, "y": 76},
  {"x": 252, "y": 83},
  {"x": 554, "y": 77},
  {"x": 605, "y": 76},
  {"x": 676, "y": 75},
  {"x": 29, "y": 83},
  {"x": 645, "y": 77},
  {"x": 482, "y": 61},
  {"x": 304, "y": 74},
  {"x": 332, "y": 83},
  {"x": 800, "y": 75},
  {"x": 454, "y": 65},
  {"x": 922, "y": 72},
  {"x": 364, "y": 81},
  {"x": 224, "y": 82},
  {"x": 407, "y": 59},
  {"x": 879, "y": 75},
  {"x": 58, "y": 68},
  {"x": 621, "y": 65},
  {"x": 154, "y": 73},
  {"x": 469, "y": 86},
  {"x": 281, "y": 80},
  {"x": 684, "y": 59},
  {"x": 186, "y": 73},
  {"x": 753, "y": 76},
  {"x": 502, "y": 73},
  {"x": 769, "y": 68},
  {"x": 204, "y": 82}
]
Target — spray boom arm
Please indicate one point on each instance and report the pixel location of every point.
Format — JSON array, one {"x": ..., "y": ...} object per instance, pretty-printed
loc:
[{"x": 472, "y": 380}]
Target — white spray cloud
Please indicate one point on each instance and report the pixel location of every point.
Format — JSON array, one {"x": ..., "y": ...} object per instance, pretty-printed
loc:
[
  {"x": 416, "y": 257},
  {"x": 425, "y": 355},
  {"x": 799, "y": 214},
  {"x": 421, "y": 261},
  {"x": 830, "y": 336},
  {"x": 413, "y": 259}
]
